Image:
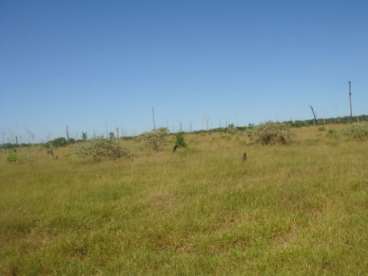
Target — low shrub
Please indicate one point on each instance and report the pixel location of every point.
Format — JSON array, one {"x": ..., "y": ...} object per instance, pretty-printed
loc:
[
  {"x": 156, "y": 138},
  {"x": 102, "y": 149},
  {"x": 272, "y": 133}
]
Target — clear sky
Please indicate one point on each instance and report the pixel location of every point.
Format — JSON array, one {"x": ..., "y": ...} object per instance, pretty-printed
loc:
[{"x": 94, "y": 65}]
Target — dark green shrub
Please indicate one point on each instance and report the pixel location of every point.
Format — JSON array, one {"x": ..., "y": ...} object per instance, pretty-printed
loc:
[
  {"x": 272, "y": 133},
  {"x": 179, "y": 141},
  {"x": 59, "y": 142}
]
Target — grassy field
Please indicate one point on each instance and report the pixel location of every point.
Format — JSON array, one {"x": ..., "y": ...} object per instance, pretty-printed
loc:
[{"x": 295, "y": 209}]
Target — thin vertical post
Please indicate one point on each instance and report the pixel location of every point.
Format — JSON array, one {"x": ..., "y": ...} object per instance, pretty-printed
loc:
[
  {"x": 314, "y": 114},
  {"x": 153, "y": 119},
  {"x": 350, "y": 102},
  {"x": 67, "y": 133}
]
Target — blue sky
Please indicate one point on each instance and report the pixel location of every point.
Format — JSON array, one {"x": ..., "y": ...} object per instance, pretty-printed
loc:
[{"x": 97, "y": 65}]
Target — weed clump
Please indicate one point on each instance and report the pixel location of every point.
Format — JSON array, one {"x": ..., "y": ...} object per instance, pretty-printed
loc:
[
  {"x": 272, "y": 134},
  {"x": 357, "y": 131},
  {"x": 332, "y": 133},
  {"x": 102, "y": 149},
  {"x": 230, "y": 129},
  {"x": 156, "y": 138}
]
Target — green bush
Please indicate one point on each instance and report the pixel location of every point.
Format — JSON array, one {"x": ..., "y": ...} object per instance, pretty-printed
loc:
[
  {"x": 101, "y": 149},
  {"x": 12, "y": 156},
  {"x": 272, "y": 133}
]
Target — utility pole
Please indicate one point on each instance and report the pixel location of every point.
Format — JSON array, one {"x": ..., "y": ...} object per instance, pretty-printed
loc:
[
  {"x": 314, "y": 114},
  {"x": 153, "y": 118},
  {"x": 350, "y": 101},
  {"x": 67, "y": 133},
  {"x": 107, "y": 130}
]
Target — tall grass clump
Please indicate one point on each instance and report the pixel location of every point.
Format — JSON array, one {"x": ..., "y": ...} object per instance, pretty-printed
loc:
[
  {"x": 12, "y": 156},
  {"x": 101, "y": 149},
  {"x": 357, "y": 131},
  {"x": 332, "y": 134},
  {"x": 272, "y": 134}
]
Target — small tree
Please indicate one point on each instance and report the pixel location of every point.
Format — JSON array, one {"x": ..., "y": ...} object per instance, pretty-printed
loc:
[{"x": 84, "y": 136}]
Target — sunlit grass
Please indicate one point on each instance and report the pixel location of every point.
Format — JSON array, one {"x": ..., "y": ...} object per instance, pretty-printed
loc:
[{"x": 295, "y": 209}]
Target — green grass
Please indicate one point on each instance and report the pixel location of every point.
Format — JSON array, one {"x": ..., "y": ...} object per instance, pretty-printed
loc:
[{"x": 296, "y": 209}]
